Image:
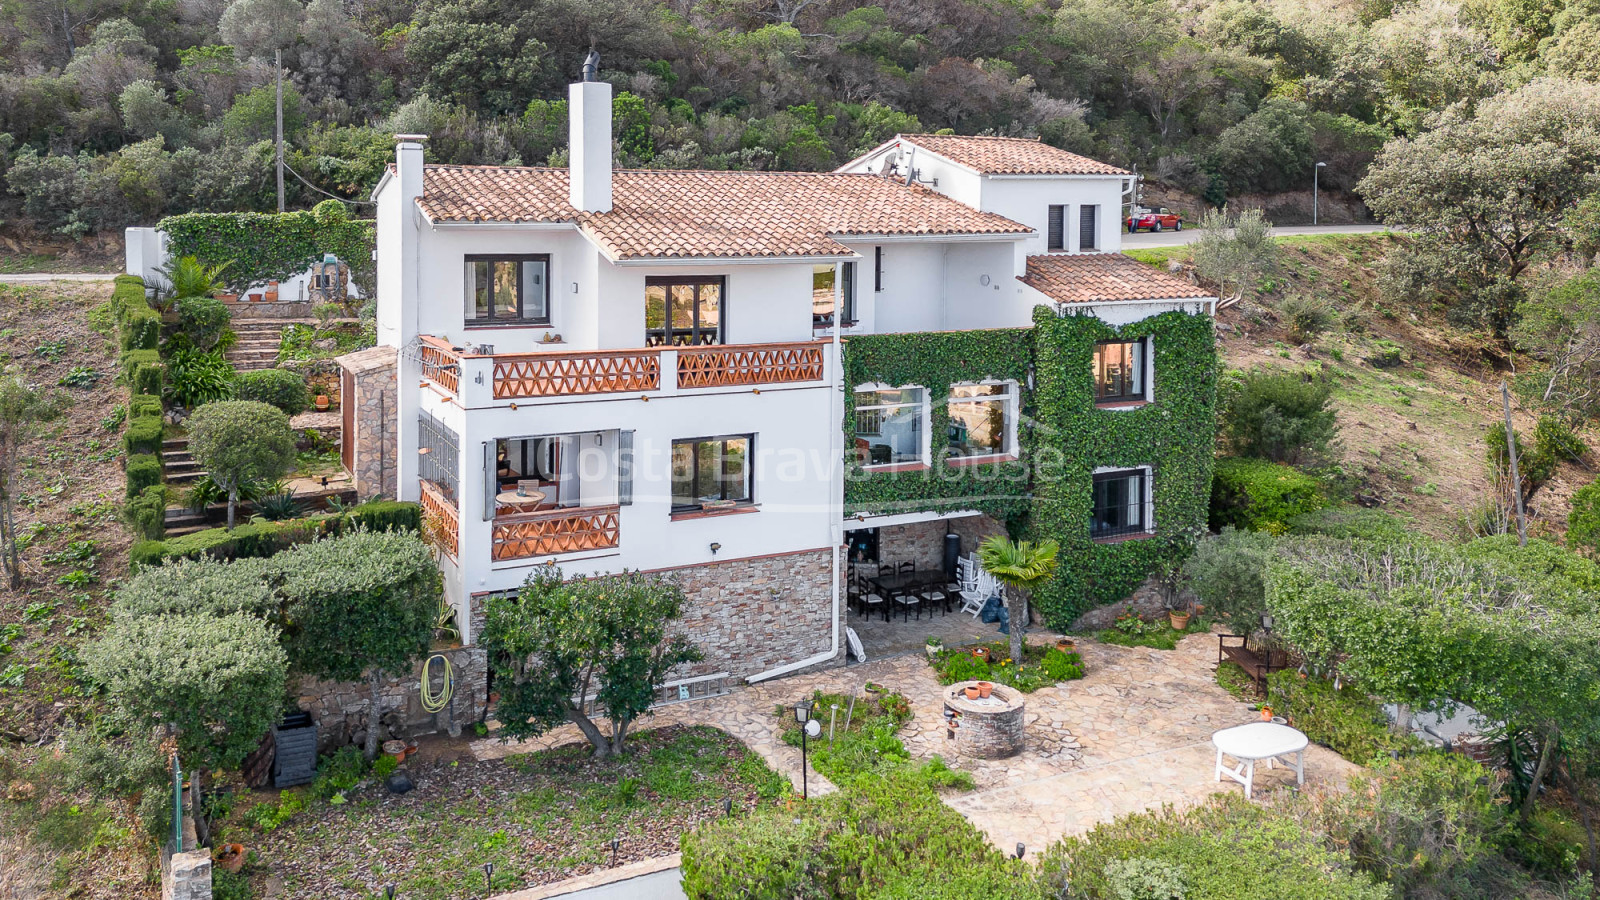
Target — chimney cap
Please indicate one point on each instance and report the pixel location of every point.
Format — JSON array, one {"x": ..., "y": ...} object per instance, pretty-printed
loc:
[
  {"x": 410, "y": 138},
  {"x": 591, "y": 65}
]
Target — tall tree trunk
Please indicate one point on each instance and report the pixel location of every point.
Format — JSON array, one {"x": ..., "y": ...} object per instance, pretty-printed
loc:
[
  {"x": 233, "y": 503},
  {"x": 591, "y": 731},
  {"x": 374, "y": 711},
  {"x": 1547, "y": 756},
  {"x": 1019, "y": 621}
]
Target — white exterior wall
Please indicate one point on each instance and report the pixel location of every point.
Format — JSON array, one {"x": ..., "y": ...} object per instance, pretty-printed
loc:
[{"x": 1028, "y": 198}]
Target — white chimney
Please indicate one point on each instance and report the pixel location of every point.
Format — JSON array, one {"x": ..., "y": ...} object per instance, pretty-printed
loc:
[
  {"x": 408, "y": 164},
  {"x": 589, "y": 148}
]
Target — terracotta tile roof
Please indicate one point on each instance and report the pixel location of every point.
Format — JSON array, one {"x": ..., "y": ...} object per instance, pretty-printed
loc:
[
  {"x": 662, "y": 213},
  {"x": 1009, "y": 156},
  {"x": 1104, "y": 277}
]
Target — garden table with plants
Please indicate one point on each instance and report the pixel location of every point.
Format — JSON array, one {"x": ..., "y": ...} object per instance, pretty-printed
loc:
[{"x": 1257, "y": 741}]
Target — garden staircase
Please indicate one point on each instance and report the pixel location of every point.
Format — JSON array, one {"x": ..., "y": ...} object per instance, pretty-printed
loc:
[
  {"x": 257, "y": 347},
  {"x": 179, "y": 466}
]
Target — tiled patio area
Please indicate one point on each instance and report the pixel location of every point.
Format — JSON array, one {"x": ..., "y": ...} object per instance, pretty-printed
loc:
[
  {"x": 883, "y": 640},
  {"x": 1132, "y": 735}
]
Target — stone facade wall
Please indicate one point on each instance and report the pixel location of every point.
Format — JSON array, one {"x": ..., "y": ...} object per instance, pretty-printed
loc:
[
  {"x": 187, "y": 876},
  {"x": 340, "y": 707},
  {"x": 372, "y": 469},
  {"x": 260, "y": 309},
  {"x": 751, "y": 615},
  {"x": 985, "y": 729},
  {"x": 923, "y": 542}
]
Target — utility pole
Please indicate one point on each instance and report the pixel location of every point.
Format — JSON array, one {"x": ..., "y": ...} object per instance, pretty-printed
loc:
[
  {"x": 1516, "y": 480},
  {"x": 1316, "y": 176},
  {"x": 277, "y": 57}
]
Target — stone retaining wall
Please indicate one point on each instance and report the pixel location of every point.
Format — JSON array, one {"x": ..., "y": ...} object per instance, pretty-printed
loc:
[
  {"x": 751, "y": 615},
  {"x": 340, "y": 708},
  {"x": 923, "y": 542}
]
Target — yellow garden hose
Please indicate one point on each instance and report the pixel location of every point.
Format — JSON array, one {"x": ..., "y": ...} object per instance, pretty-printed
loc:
[{"x": 434, "y": 702}]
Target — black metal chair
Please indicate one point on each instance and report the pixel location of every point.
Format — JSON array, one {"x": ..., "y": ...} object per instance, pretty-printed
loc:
[
  {"x": 906, "y": 599},
  {"x": 907, "y": 568},
  {"x": 870, "y": 597}
]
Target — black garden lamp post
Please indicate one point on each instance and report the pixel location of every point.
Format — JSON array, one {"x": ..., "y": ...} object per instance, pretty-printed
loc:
[{"x": 808, "y": 728}]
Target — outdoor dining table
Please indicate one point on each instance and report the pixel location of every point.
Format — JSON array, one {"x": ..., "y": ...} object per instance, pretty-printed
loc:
[
  {"x": 907, "y": 581},
  {"x": 1258, "y": 741}
]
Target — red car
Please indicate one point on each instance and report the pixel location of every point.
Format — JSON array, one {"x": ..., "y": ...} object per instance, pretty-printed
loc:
[{"x": 1154, "y": 220}]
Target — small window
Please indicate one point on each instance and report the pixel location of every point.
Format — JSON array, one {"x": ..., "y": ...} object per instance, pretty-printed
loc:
[
  {"x": 505, "y": 290},
  {"x": 823, "y": 279},
  {"x": 1088, "y": 228},
  {"x": 1119, "y": 504},
  {"x": 981, "y": 418},
  {"x": 682, "y": 311},
  {"x": 1119, "y": 372},
  {"x": 877, "y": 268},
  {"x": 889, "y": 425},
  {"x": 1058, "y": 228},
  {"x": 710, "y": 473}
]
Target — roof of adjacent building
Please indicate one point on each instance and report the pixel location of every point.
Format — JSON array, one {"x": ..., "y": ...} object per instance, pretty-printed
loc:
[
  {"x": 665, "y": 214},
  {"x": 1104, "y": 278},
  {"x": 990, "y": 155}
]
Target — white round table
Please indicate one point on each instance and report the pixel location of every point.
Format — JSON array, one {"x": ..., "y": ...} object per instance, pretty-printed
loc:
[
  {"x": 1257, "y": 741},
  {"x": 528, "y": 501}
]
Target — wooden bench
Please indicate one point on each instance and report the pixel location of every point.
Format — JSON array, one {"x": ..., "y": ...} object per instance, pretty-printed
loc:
[{"x": 1257, "y": 664}]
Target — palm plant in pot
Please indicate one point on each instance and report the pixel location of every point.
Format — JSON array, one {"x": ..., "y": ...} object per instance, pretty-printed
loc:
[
  {"x": 1173, "y": 584},
  {"x": 1023, "y": 567}
]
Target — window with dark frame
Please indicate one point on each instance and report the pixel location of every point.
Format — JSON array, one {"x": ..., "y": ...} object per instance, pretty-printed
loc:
[
  {"x": 1119, "y": 504},
  {"x": 439, "y": 452},
  {"x": 683, "y": 311},
  {"x": 711, "y": 473},
  {"x": 1058, "y": 228},
  {"x": 1088, "y": 228},
  {"x": 877, "y": 268},
  {"x": 889, "y": 425},
  {"x": 508, "y": 290},
  {"x": 1119, "y": 372}
]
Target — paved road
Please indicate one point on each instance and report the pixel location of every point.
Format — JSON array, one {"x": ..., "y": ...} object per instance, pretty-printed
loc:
[
  {"x": 37, "y": 277},
  {"x": 1177, "y": 238},
  {"x": 663, "y": 885}
]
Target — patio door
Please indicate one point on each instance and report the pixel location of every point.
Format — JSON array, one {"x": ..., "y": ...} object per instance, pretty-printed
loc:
[{"x": 683, "y": 311}]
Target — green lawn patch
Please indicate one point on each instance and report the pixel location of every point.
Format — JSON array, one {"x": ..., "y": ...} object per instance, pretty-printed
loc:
[
  {"x": 1236, "y": 681},
  {"x": 1344, "y": 719},
  {"x": 1041, "y": 666},
  {"x": 861, "y": 744},
  {"x": 1157, "y": 634}
]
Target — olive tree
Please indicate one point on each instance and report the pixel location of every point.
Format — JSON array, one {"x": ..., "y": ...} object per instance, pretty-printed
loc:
[
  {"x": 360, "y": 604},
  {"x": 219, "y": 680},
  {"x": 238, "y": 442},
  {"x": 1226, "y": 572},
  {"x": 1234, "y": 250},
  {"x": 23, "y": 409},
  {"x": 203, "y": 586},
  {"x": 571, "y": 652}
]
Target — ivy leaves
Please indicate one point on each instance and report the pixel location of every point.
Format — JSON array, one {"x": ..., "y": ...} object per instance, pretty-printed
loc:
[{"x": 273, "y": 246}]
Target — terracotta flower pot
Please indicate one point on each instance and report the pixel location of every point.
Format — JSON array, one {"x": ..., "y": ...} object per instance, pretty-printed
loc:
[
  {"x": 985, "y": 688},
  {"x": 396, "y": 749},
  {"x": 1266, "y": 714},
  {"x": 323, "y": 403},
  {"x": 981, "y": 653},
  {"x": 1065, "y": 646},
  {"x": 229, "y": 857},
  {"x": 1179, "y": 620},
  {"x": 972, "y": 692}
]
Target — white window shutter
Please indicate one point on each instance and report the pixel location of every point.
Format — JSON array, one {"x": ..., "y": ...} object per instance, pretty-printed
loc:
[
  {"x": 625, "y": 468},
  {"x": 491, "y": 479}
]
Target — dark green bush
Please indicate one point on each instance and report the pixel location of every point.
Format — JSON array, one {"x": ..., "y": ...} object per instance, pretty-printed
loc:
[
  {"x": 203, "y": 320},
  {"x": 1258, "y": 495},
  {"x": 1583, "y": 522},
  {"x": 197, "y": 378},
  {"x": 1555, "y": 438},
  {"x": 144, "y": 405},
  {"x": 1285, "y": 418},
  {"x": 144, "y": 470},
  {"x": 885, "y": 838},
  {"x": 140, "y": 327},
  {"x": 1346, "y": 721},
  {"x": 1225, "y": 572},
  {"x": 146, "y": 513},
  {"x": 279, "y": 387},
  {"x": 147, "y": 553},
  {"x": 1062, "y": 666},
  {"x": 1352, "y": 522},
  {"x": 143, "y": 435},
  {"x": 388, "y": 515},
  {"x": 262, "y": 539},
  {"x": 143, "y": 371}
]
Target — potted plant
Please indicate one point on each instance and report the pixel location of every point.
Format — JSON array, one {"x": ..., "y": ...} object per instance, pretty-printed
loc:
[
  {"x": 981, "y": 653},
  {"x": 1266, "y": 713},
  {"x": 1178, "y": 618},
  {"x": 971, "y": 691},
  {"x": 985, "y": 688},
  {"x": 1171, "y": 581},
  {"x": 323, "y": 403},
  {"x": 933, "y": 645},
  {"x": 229, "y": 857},
  {"x": 272, "y": 292},
  {"x": 1065, "y": 645}
]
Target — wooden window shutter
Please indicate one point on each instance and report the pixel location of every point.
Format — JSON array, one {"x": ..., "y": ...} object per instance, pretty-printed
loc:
[
  {"x": 625, "y": 468},
  {"x": 1058, "y": 228},
  {"x": 491, "y": 479},
  {"x": 1088, "y": 227},
  {"x": 847, "y": 290}
]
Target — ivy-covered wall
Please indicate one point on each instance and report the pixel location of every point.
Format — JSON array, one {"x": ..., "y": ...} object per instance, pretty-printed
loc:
[
  {"x": 275, "y": 246},
  {"x": 935, "y": 361},
  {"x": 1048, "y": 493}
]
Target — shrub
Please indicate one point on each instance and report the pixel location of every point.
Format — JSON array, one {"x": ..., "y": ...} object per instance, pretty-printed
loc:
[
  {"x": 140, "y": 327},
  {"x": 1305, "y": 317},
  {"x": 278, "y": 387},
  {"x": 1352, "y": 522},
  {"x": 1257, "y": 495},
  {"x": 143, "y": 435},
  {"x": 1062, "y": 666},
  {"x": 197, "y": 587},
  {"x": 146, "y": 513},
  {"x": 197, "y": 378},
  {"x": 220, "y": 680},
  {"x": 144, "y": 470},
  {"x": 263, "y": 539},
  {"x": 387, "y": 515},
  {"x": 1279, "y": 417},
  {"x": 1555, "y": 438},
  {"x": 1345, "y": 720},
  {"x": 338, "y": 772},
  {"x": 241, "y": 442},
  {"x": 384, "y": 766},
  {"x": 1583, "y": 522},
  {"x": 143, "y": 371},
  {"x": 144, "y": 405},
  {"x": 203, "y": 320},
  {"x": 1138, "y": 878},
  {"x": 1225, "y": 573}
]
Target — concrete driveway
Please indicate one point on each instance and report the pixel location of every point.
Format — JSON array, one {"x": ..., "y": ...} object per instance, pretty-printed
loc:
[{"x": 1187, "y": 235}]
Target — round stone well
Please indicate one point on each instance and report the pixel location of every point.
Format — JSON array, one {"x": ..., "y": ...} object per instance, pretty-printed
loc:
[{"x": 988, "y": 727}]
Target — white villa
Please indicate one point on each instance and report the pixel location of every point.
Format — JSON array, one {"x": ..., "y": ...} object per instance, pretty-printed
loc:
[{"x": 642, "y": 369}]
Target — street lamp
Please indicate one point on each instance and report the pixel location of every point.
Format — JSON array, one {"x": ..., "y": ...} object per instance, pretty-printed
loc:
[
  {"x": 1316, "y": 172},
  {"x": 809, "y": 727}
]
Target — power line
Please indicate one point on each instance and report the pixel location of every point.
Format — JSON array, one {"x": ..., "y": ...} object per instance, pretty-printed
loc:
[{"x": 323, "y": 192}]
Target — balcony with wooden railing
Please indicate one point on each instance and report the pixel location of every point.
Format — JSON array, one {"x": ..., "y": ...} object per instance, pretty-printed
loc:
[
  {"x": 441, "y": 525},
  {"x": 441, "y": 364},
  {"x": 740, "y": 365},
  {"x": 552, "y": 532},
  {"x": 525, "y": 375}
]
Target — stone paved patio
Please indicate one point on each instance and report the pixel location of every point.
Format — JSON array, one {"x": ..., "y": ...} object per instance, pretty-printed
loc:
[{"x": 1132, "y": 735}]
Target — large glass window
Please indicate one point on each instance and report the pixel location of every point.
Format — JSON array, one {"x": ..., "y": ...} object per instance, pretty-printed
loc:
[
  {"x": 508, "y": 290},
  {"x": 981, "y": 418},
  {"x": 1119, "y": 504},
  {"x": 1119, "y": 371},
  {"x": 823, "y": 279},
  {"x": 708, "y": 473},
  {"x": 682, "y": 311},
  {"x": 889, "y": 425}
]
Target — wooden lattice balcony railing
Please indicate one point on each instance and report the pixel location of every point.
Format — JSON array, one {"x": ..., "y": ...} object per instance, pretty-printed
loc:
[
  {"x": 518, "y": 375},
  {"x": 441, "y": 526},
  {"x": 558, "y": 531},
  {"x": 441, "y": 364},
  {"x": 749, "y": 364}
]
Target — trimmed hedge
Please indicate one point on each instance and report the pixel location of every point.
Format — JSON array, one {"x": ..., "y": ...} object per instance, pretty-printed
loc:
[
  {"x": 263, "y": 539},
  {"x": 143, "y": 435},
  {"x": 143, "y": 371},
  {"x": 267, "y": 246},
  {"x": 138, "y": 326},
  {"x": 146, "y": 514},
  {"x": 279, "y": 387},
  {"x": 1258, "y": 495},
  {"x": 144, "y": 405},
  {"x": 144, "y": 470}
]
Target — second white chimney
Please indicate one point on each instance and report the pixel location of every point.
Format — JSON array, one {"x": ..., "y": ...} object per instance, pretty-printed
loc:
[{"x": 589, "y": 148}]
